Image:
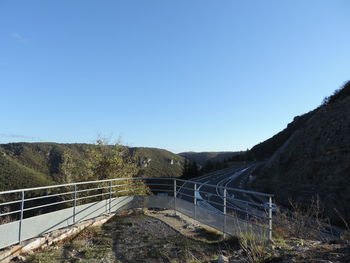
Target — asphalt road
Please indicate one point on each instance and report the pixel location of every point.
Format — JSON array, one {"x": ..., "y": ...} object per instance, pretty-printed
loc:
[
  {"x": 244, "y": 204},
  {"x": 210, "y": 192}
]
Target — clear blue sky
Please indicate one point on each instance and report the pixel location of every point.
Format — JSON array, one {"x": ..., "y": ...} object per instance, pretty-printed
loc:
[{"x": 180, "y": 75}]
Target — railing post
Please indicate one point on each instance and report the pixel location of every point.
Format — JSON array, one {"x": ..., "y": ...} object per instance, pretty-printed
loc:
[
  {"x": 195, "y": 201},
  {"x": 270, "y": 218},
  {"x": 224, "y": 228},
  {"x": 21, "y": 218},
  {"x": 175, "y": 196},
  {"x": 110, "y": 196},
  {"x": 75, "y": 202}
]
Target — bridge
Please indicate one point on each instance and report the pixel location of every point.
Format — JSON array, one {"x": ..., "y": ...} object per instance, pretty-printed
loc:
[{"x": 32, "y": 212}]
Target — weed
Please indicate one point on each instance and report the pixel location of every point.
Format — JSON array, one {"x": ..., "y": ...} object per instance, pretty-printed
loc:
[
  {"x": 255, "y": 247},
  {"x": 47, "y": 256},
  {"x": 301, "y": 222},
  {"x": 345, "y": 235}
]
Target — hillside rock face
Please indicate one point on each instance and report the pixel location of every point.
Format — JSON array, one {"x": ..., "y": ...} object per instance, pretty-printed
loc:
[{"x": 314, "y": 161}]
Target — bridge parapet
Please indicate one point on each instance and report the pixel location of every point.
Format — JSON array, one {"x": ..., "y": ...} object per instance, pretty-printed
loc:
[{"x": 32, "y": 212}]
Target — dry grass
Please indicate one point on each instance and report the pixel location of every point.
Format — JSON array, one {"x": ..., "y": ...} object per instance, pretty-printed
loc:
[
  {"x": 302, "y": 223},
  {"x": 256, "y": 249}
]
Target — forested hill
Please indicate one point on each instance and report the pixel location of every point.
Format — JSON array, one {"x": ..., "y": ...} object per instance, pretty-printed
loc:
[
  {"x": 201, "y": 158},
  {"x": 33, "y": 164}
]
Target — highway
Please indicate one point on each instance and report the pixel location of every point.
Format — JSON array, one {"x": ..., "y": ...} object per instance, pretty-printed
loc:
[
  {"x": 240, "y": 202},
  {"x": 210, "y": 192},
  {"x": 244, "y": 204}
]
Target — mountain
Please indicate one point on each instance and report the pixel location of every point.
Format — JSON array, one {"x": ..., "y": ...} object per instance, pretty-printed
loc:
[
  {"x": 158, "y": 162},
  {"x": 310, "y": 159},
  {"x": 202, "y": 157},
  {"x": 25, "y": 165}
]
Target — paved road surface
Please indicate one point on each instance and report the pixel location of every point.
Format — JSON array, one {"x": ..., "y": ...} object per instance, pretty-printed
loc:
[{"x": 210, "y": 192}]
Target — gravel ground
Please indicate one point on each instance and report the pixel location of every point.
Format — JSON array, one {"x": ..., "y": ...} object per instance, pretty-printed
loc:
[
  {"x": 139, "y": 238},
  {"x": 162, "y": 236}
]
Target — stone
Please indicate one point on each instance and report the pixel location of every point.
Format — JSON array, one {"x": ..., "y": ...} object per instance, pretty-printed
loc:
[{"x": 222, "y": 259}]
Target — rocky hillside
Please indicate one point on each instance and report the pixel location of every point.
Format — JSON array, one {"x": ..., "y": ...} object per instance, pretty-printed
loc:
[
  {"x": 158, "y": 162},
  {"x": 310, "y": 159},
  {"x": 33, "y": 164}
]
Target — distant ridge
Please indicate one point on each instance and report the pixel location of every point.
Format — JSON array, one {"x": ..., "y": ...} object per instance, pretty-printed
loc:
[
  {"x": 34, "y": 164},
  {"x": 202, "y": 157}
]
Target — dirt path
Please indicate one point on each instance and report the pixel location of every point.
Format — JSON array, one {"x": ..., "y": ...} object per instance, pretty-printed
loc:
[
  {"x": 140, "y": 238},
  {"x": 162, "y": 236}
]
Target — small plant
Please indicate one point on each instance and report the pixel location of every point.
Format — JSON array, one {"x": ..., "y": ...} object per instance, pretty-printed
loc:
[
  {"x": 255, "y": 248},
  {"x": 346, "y": 233}
]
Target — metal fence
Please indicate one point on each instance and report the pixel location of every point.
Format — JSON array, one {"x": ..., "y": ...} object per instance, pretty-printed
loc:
[{"x": 31, "y": 212}]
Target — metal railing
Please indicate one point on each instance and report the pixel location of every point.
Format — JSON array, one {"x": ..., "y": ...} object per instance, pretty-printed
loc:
[
  {"x": 231, "y": 202},
  {"x": 26, "y": 213}
]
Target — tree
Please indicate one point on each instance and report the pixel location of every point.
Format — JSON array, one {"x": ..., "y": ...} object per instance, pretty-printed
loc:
[
  {"x": 100, "y": 161},
  {"x": 112, "y": 161},
  {"x": 190, "y": 169}
]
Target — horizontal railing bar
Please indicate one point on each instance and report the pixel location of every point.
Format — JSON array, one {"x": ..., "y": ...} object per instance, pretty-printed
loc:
[
  {"x": 228, "y": 188},
  {"x": 9, "y": 213},
  {"x": 92, "y": 189},
  {"x": 80, "y": 183},
  {"x": 231, "y": 200},
  {"x": 233, "y": 208},
  {"x": 135, "y": 178},
  {"x": 90, "y": 196},
  {"x": 9, "y": 203},
  {"x": 211, "y": 194},
  {"x": 46, "y": 205},
  {"x": 47, "y": 196}
]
